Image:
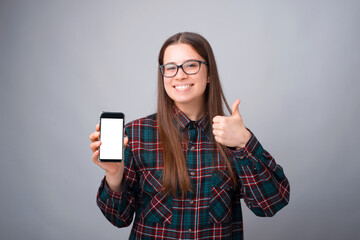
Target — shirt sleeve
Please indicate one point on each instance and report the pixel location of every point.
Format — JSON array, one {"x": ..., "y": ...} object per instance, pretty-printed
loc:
[
  {"x": 118, "y": 207},
  {"x": 264, "y": 186}
]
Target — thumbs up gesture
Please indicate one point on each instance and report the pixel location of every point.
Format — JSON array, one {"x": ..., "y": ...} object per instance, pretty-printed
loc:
[{"x": 231, "y": 131}]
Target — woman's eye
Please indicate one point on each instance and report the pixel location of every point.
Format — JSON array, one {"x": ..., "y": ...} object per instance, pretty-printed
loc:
[
  {"x": 170, "y": 68},
  {"x": 191, "y": 65}
]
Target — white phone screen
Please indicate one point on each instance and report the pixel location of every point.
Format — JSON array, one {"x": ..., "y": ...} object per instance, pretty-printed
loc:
[{"x": 112, "y": 138}]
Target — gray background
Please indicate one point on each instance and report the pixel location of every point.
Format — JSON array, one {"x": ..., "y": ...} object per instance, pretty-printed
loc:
[{"x": 294, "y": 65}]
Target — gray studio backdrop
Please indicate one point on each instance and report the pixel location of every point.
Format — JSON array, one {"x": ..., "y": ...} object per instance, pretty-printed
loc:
[{"x": 294, "y": 65}]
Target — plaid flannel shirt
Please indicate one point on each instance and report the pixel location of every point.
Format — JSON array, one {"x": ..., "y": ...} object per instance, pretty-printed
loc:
[{"x": 212, "y": 210}]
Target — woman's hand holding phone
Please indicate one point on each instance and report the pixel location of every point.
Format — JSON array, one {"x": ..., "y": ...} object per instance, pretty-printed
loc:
[{"x": 114, "y": 171}]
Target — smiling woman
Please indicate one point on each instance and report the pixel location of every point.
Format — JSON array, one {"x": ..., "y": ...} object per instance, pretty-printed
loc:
[{"x": 187, "y": 166}]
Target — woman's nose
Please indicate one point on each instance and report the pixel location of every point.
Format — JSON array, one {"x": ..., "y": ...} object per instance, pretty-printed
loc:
[{"x": 180, "y": 74}]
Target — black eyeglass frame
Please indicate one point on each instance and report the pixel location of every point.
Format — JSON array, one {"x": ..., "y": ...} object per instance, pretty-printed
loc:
[{"x": 181, "y": 66}]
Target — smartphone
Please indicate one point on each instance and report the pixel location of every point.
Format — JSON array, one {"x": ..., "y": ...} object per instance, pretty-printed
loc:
[{"x": 111, "y": 136}]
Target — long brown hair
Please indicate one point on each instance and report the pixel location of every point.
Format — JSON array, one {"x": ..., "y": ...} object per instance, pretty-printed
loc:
[{"x": 175, "y": 175}]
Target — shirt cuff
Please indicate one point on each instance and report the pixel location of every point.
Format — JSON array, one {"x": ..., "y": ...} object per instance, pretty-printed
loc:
[
  {"x": 250, "y": 153},
  {"x": 109, "y": 192}
]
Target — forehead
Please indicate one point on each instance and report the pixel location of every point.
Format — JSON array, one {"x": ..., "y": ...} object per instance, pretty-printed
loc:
[{"x": 179, "y": 53}]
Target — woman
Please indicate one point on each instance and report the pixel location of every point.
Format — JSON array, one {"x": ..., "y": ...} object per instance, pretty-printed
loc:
[{"x": 187, "y": 166}]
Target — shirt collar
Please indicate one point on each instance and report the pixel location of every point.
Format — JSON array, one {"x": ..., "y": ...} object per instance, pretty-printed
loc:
[{"x": 183, "y": 121}]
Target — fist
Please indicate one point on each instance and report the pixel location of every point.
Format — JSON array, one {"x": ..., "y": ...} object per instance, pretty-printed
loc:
[{"x": 231, "y": 131}]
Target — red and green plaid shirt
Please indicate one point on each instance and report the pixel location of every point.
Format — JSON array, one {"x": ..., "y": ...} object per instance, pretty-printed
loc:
[{"x": 212, "y": 210}]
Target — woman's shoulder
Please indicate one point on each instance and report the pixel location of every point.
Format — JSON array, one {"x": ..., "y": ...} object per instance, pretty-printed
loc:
[{"x": 149, "y": 121}]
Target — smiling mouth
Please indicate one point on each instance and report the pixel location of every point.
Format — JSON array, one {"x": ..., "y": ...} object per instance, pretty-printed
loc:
[{"x": 183, "y": 86}]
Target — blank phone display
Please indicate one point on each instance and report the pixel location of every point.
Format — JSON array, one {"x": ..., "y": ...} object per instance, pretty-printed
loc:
[{"x": 111, "y": 136}]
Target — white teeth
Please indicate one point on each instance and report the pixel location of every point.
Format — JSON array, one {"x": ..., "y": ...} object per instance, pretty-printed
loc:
[{"x": 182, "y": 86}]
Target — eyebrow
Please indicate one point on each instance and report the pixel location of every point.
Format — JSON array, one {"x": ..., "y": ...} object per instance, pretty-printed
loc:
[{"x": 192, "y": 59}]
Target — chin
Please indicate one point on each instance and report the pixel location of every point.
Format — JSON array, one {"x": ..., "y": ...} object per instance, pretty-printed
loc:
[{"x": 186, "y": 101}]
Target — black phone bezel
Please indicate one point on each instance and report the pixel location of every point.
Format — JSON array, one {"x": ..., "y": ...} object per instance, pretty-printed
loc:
[{"x": 117, "y": 115}]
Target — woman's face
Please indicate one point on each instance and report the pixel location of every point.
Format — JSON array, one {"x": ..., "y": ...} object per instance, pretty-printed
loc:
[{"x": 185, "y": 90}]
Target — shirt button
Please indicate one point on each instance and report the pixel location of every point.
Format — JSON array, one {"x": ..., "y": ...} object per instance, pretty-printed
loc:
[
  {"x": 249, "y": 154},
  {"x": 192, "y": 173},
  {"x": 192, "y": 148},
  {"x": 189, "y": 230},
  {"x": 242, "y": 157},
  {"x": 191, "y": 202}
]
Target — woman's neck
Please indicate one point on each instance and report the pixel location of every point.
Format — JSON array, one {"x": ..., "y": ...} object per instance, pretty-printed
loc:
[{"x": 192, "y": 111}]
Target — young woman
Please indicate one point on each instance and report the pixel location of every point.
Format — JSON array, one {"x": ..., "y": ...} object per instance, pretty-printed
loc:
[{"x": 187, "y": 166}]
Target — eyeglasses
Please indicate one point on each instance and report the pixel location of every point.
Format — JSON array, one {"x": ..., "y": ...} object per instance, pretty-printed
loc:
[{"x": 189, "y": 67}]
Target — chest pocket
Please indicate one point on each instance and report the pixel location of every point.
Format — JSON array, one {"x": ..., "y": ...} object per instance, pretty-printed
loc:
[
  {"x": 157, "y": 204},
  {"x": 221, "y": 193}
]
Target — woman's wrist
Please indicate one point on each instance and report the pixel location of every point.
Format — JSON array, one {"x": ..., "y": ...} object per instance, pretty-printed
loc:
[
  {"x": 114, "y": 181},
  {"x": 244, "y": 140}
]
